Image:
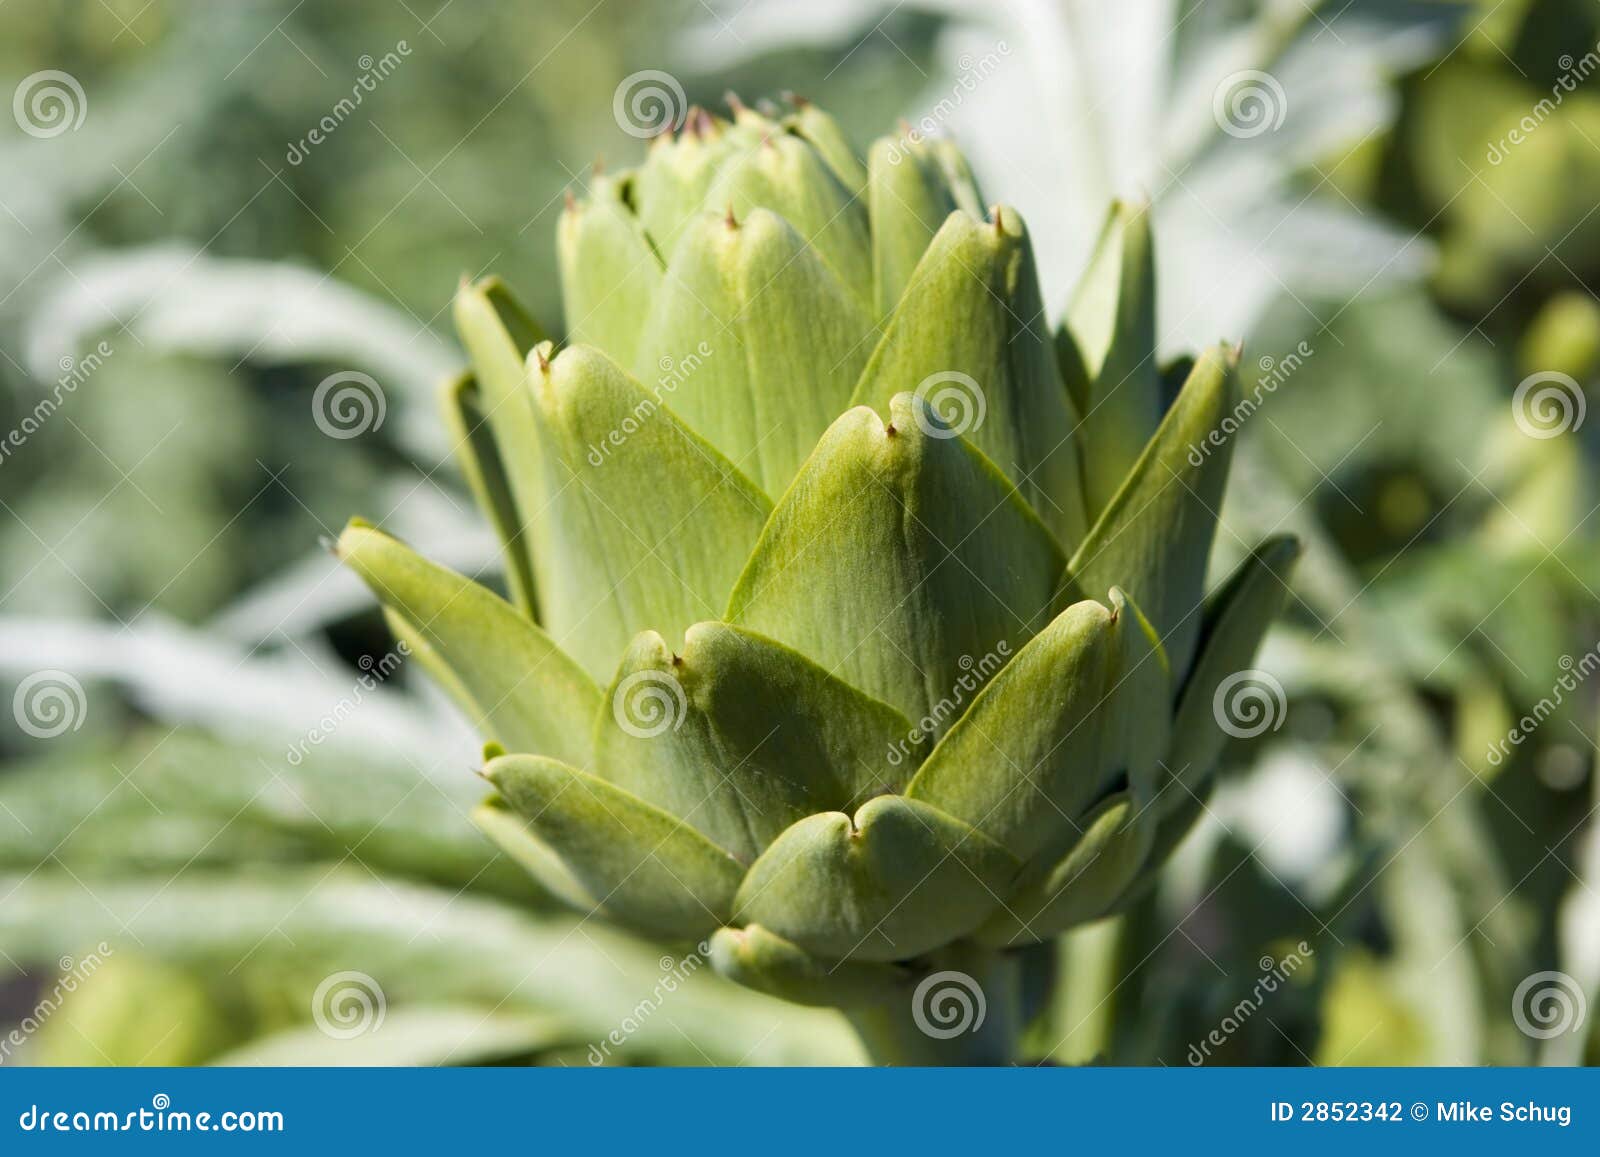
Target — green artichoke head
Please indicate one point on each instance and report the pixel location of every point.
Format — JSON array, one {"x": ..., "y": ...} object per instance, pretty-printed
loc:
[{"x": 856, "y": 614}]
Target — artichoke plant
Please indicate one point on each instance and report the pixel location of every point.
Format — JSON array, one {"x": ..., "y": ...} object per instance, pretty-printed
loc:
[{"x": 856, "y": 620}]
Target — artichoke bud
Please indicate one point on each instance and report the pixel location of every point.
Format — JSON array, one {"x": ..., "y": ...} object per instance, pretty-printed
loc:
[{"x": 1112, "y": 324}]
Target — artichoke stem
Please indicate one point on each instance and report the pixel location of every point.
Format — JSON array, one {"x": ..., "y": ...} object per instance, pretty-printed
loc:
[{"x": 965, "y": 1009}]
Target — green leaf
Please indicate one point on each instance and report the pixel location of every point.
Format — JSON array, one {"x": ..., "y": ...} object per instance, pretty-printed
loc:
[
  {"x": 1155, "y": 537},
  {"x": 912, "y": 188},
  {"x": 759, "y": 959},
  {"x": 741, "y": 736},
  {"x": 786, "y": 175},
  {"x": 754, "y": 342},
  {"x": 900, "y": 879},
  {"x": 970, "y": 335},
  {"x": 1235, "y": 621},
  {"x": 1113, "y": 318},
  {"x": 900, "y": 559},
  {"x": 609, "y": 271},
  {"x": 635, "y": 863},
  {"x": 485, "y": 471},
  {"x": 423, "y": 1035},
  {"x": 822, "y": 132},
  {"x": 670, "y": 188},
  {"x": 1086, "y": 883},
  {"x": 498, "y": 334},
  {"x": 1078, "y": 710},
  {"x": 650, "y": 522},
  {"x": 524, "y": 691}
]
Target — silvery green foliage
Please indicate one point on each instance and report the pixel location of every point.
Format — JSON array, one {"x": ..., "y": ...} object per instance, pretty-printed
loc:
[{"x": 856, "y": 616}]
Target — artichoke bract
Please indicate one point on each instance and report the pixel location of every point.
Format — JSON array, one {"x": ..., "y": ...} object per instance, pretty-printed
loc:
[{"x": 856, "y": 617}]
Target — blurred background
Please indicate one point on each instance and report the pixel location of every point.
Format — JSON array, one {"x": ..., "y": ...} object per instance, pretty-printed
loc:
[{"x": 231, "y": 832}]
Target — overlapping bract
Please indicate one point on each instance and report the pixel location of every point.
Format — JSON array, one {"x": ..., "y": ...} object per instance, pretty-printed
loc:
[{"x": 854, "y": 610}]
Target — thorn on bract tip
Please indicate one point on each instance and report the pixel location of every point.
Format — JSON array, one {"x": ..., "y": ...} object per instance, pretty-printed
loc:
[
  {"x": 799, "y": 102},
  {"x": 571, "y": 201},
  {"x": 598, "y": 168},
  {"x": 735, "y": 105},
  {"x": 331, "y": 545},
  {"x": 730, "y": 220},
  {"x": 540, "y": 352}
]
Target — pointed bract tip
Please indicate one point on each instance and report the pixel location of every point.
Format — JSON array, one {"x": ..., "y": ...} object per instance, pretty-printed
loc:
[
  {"x": 730, "y": 220},
  {"x": 571, "y": 201},
  {"x": 798, "y": 101},
  {"x": 541, "y": 353},
  {"x": 733, "y": 102},
  {"x": 598, "y": 166},
  {"x": 329, "y": 543}
]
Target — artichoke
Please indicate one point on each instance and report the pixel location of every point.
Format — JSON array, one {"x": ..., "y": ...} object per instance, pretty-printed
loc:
[{"x": 856, "y": 620}]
